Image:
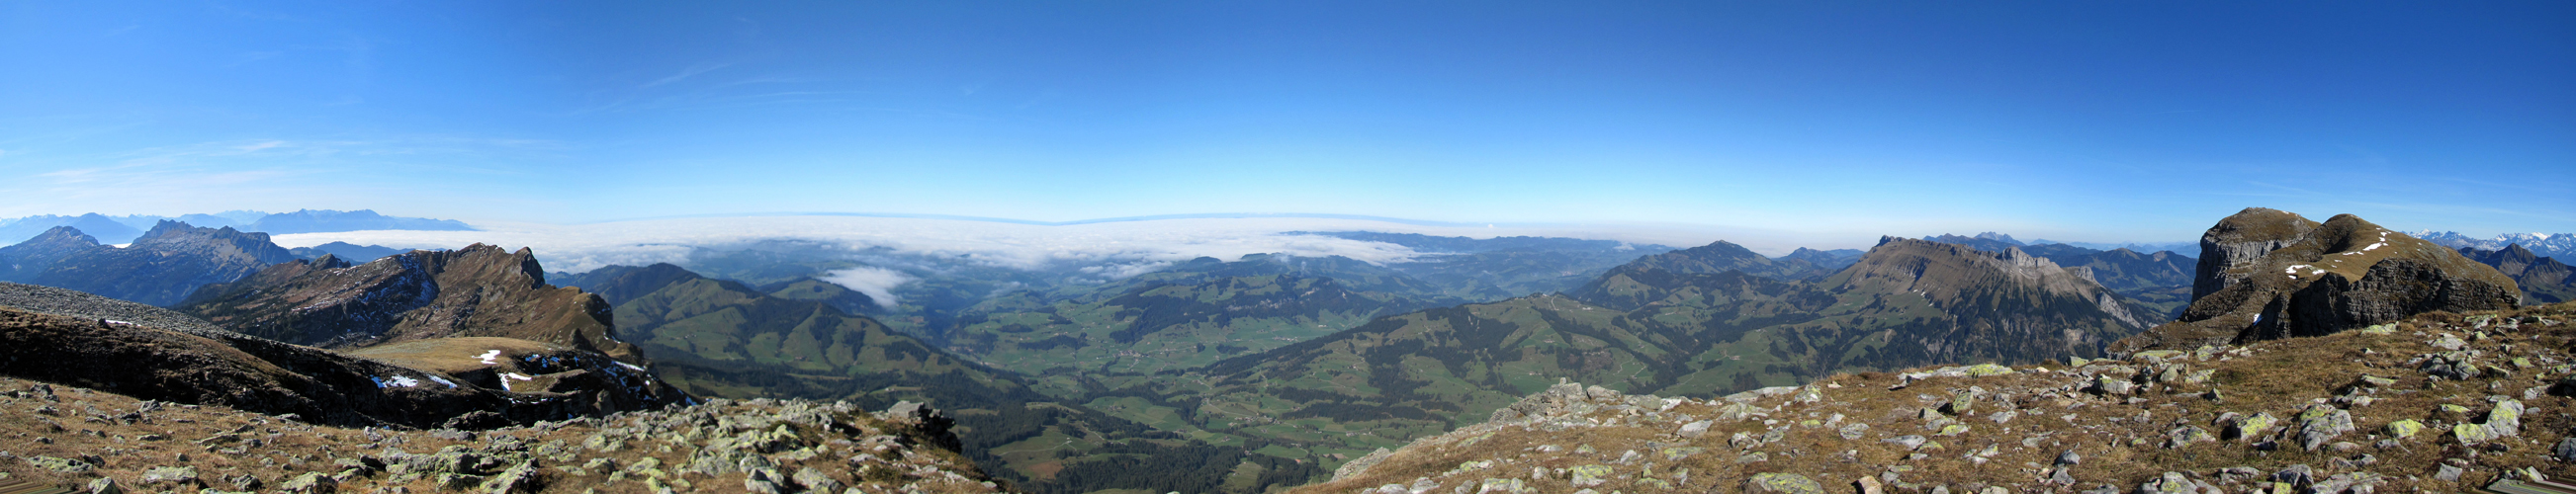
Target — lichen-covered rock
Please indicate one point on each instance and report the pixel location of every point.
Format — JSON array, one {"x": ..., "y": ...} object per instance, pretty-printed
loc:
[
  {"x": 2320, "y": 424},
  {"x": 310, "y": 483},
  {"x": 1784, "y": 483},
  {"x": 2186, "y": 436},
  {"x": 1589, "y": 475},
  {"x": 2404, "y": 428},
  {"x": 170, "y": 475}
]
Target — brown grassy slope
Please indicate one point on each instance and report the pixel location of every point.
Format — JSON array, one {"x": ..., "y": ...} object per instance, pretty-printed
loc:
[
  {"x": 479, "y": 290},
  {"x": 2017, "y": 425},
  {"x": 74, "y": 437}
]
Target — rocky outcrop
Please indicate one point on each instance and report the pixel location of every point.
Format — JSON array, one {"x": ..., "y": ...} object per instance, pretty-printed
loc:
[
  {"x": 165, "y": 264},
  {"x": 2228, "y": 249},
  {"x": 244, "y": 373},
  {"x": 2268, "y": 274},
  {"x": 81, "y": 339},
  {"x": 479, "y": 290}
]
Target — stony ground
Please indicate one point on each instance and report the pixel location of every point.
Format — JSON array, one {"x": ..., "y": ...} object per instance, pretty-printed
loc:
[
  {"x": 2436, "y": 403},
  {"x": 97, "y": 441},
  {"x": 57, "y": 301}
]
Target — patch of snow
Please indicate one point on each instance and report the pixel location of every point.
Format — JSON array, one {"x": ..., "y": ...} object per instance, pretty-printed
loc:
[
  {"x": 489, "y": 356},
  {"x": 113, "y": 321},
  {"x": 450, "y": 385},
  {"x": 2375, "y": 246},
  {"x": 517, "y": 376},
  {"x": 629, "y": 366},
  {"x": 396, "y": 382}
]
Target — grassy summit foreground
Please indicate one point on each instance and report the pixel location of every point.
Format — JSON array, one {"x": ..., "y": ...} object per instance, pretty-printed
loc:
[{"x": 2439, "y": 402}]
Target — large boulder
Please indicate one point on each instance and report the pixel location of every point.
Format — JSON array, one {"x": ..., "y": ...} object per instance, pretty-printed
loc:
[{"x": 2269, "y": 274}]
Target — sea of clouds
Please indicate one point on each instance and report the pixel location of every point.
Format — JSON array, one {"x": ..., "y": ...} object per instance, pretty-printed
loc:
[{"x": 1108, "y": 249}]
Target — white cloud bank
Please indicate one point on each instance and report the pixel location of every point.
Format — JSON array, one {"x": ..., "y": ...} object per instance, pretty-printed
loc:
[
  {"x": 878, "y": 283},
  {"x": 1112, "y": 249}
]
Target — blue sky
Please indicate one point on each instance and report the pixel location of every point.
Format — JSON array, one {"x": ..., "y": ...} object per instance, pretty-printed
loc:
[{"x": 2101, "y": 121}]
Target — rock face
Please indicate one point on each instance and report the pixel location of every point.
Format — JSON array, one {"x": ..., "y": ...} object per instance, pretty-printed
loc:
[
  {"x": 2269, "y": 274},
  {"x": 164, "y": 265},
  {"x": 479, "y": 290}
]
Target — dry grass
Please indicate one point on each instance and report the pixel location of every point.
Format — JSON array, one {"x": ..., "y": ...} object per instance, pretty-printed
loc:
[
  {"x": 120, "y": 449},
  {"x": 2121, "y": 443}
]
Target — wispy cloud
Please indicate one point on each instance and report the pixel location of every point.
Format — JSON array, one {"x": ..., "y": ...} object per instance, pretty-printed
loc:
[{"x": 692, "y": 71}]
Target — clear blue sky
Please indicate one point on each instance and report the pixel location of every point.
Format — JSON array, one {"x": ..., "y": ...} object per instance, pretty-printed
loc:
[{"x": 2095, "y": 120}]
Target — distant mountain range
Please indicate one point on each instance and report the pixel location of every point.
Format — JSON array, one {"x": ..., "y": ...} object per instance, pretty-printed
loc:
[
  {"x": 345, "y": 251},
  {"x": 2544, "y": 280},
  {"x": 159, "y": 268},
  {"x": 2558, "y": 245},
  {"x": 123, "y": 229}
]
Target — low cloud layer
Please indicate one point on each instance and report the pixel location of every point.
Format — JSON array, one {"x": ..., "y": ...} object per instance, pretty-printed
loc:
[
  {"x": 878, "y": 283},
  {"x": 1109, "y": 250}
]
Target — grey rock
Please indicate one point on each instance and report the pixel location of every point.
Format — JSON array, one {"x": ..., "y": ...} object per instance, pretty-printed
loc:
[
  {"x": 2295, "y": 475},
  {"x": 1913, "y": 441},
  {"x": 816, "y": 480},
  {"x": 310, "y": 483},
  {"x": 2449, "y": 473},
  {"x": 2169, "y": 483},
  {"x": 170, "y": 475},
  {"x": 1695, "y": 429},
  {"x": 1853, "y": 431}
]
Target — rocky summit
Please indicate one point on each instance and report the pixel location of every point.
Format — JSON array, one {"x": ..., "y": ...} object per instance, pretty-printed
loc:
[
  {"x": 479, "y": 290},
  {"x": 2439, "y": 402},
  {"x": 74, "y": 438},
  {"x": 2270, "y": 274}
]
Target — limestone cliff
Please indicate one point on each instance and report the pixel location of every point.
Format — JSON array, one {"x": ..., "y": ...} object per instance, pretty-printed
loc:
[{"x": 2269, "y": 274}]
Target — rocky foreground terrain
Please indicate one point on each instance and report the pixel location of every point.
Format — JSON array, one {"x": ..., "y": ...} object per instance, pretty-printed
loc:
[
  {"x": 94, "y": 441},
  {"x": 2438, "y": 402}
]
